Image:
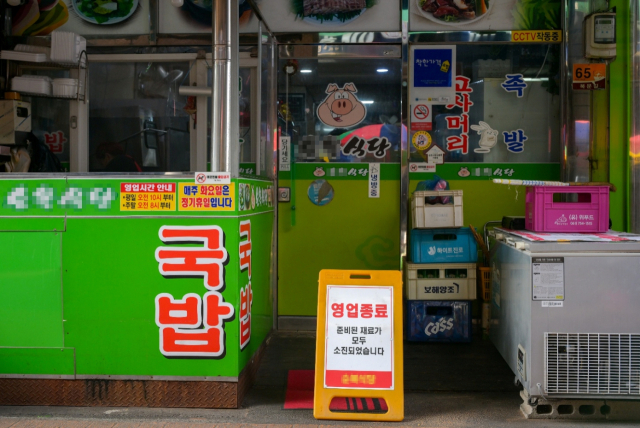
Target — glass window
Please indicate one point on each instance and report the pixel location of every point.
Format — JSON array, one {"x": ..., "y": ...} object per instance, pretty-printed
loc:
[
  {"x": 500, "y": 118},
  {"x": 341, "y": 110},
  {"x": 137, "y": 120},
  {"x": 50, "y": 117}
]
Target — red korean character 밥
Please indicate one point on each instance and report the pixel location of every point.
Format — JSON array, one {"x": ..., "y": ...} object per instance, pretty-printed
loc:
[
  {"x": 462, "y": 84},
  {"x": 458, "y": 143},
  {"x": 191, "y": 343},
  {"x": 366, "y": 310},
  {"x": 352, "y": 310},
  {"x": 185, "y": 313},
  {"x": 455, "y": 122},
  {"x": 216, "y": 310},
  {"x": 206, "y": 261},
  {"x": 245, "y": 246},
  {"x": 246, "y": 300},
  {"x": 338, "y": 310},
  {"x": 381, "y": 311}
]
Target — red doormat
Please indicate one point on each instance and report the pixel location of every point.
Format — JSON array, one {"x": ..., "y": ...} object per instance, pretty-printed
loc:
[
  {"x": 300, "y": 396},
  {"x": 299, "y": 389}
]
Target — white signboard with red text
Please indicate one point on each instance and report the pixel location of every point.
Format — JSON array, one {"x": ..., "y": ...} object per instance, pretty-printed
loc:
[
  {"x": 359, "y": 337},
  {"x": 359, "y": 342}
]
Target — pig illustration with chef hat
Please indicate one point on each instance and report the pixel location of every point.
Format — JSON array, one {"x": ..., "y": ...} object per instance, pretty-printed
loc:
[{"x": 341, "y": 108}]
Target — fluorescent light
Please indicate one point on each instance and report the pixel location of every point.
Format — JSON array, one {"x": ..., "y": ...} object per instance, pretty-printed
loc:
[
  {"x": 382, "y": 70},
  {"x": 367, "y": 102},
  {"x": 306, "y": 70}
]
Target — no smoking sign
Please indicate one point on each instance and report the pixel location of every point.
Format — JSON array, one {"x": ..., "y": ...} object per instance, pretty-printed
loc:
[{"x": 421, "y": 117}]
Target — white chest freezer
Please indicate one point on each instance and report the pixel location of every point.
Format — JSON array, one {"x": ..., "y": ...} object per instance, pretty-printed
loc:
[{"x": 566, "y": 316}]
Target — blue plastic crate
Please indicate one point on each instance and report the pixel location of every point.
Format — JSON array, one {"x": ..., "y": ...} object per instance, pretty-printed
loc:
[
  {"x": 438, "y": 321},
  {"x": 443, "y": 246}
]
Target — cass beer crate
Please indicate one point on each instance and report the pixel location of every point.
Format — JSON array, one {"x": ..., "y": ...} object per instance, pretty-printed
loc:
[
  {"x": 440, "y": 281},
  {"x": 590, "y": 213},
  {"x": 426, "y": 214},
  {"x": 443, "y": 246},
  {"x": 438, "y": 321}
]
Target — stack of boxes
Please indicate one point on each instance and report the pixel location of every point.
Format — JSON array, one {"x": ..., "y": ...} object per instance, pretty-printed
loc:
[{"x": 440, "y": 276}]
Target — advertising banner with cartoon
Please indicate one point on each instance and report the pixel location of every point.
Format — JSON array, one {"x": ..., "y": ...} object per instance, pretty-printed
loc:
[
  {"x": 84, "y": 17},
  {"x": 352, "y": 125},
  {"x": 293, "y": 16},
  {"x": 498, "y": 113},
  {"x": 484, "y": 15}
]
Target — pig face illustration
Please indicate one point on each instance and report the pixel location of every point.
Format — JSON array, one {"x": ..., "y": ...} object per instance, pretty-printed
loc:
[
  {"x": 341, "y": 108},
  {"x": 464, "y": 172}
]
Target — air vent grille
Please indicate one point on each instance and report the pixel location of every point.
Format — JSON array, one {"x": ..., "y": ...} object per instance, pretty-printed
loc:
[{"x": 592, "y": 363}]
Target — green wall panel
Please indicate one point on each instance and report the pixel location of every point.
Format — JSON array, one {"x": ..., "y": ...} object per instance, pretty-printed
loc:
[
  {"x": 262, "y": 308},
  {"x": 110, "y": 297},
  {"x": 37, "y": 224},
  {"x": 105, "y": 263},
  {"x": 46, "y": 361},
  {"x": 30, "y": 290},
  {"x": 351, "y": 232},
  {"x": 620, "y": 124}
]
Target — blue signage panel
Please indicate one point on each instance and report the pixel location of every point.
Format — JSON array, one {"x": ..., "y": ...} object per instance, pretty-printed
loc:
[{"x": 432, "y": 68}]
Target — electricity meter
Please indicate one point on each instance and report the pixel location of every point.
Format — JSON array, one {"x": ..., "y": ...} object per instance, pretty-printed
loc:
[{"x": 600, "y": 35}]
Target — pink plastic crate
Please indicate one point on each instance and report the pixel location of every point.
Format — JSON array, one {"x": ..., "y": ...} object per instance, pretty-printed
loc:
[{"x": 589, "y": 214}]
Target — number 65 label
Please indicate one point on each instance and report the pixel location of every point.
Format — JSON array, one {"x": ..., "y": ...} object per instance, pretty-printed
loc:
[{"x": 589, "y": 76}]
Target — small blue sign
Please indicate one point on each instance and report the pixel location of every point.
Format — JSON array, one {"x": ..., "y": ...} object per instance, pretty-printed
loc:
[{"x": 432, "y": 68}]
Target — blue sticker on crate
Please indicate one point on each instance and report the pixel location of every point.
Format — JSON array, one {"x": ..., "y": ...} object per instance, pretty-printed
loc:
[
  {"x": 443, "y": 246},
  {"x": 438, "y": 321}
]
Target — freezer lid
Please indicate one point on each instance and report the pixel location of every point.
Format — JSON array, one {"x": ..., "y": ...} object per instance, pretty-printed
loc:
[{"x": 607, "y": 242}]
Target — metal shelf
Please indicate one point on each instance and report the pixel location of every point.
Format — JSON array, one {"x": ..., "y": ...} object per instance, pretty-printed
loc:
[
  {"x": 32, "y": 94},
  {"x": 81, "y": 66}
]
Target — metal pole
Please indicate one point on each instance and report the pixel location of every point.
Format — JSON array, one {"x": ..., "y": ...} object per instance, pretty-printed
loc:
[{"x": 224, "y": 104}]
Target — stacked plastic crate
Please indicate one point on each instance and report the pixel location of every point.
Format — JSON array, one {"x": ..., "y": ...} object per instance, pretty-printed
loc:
[{"x": 440, "y": 276}]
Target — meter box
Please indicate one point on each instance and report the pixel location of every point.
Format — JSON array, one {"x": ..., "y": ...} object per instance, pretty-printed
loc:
[
  {"x": 441, "y": 281},
  {"x": 438, "y": 321},
  {"x": 443, "y": 246},
  {"x": 600, "y": 35},
  {"x": 15, "y": 116}
]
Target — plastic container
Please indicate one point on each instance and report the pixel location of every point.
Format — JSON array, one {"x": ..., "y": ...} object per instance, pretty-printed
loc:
[
  {"x": 438, "y": 321},
  {"x": 440, "y": 281},
  {"x": 484, "y": 282},
  {"x": 590, "y": 212},
  {"x": 66, "y": 47},
  {"x": 437, "y": 216},
  {"x": 34, "y": 49},
  {"x": 32, "y": 84},
  {"x": 443, "y": 246},
  {"x": 23, "y": 56},
  {"x": 67, "y": 88}
]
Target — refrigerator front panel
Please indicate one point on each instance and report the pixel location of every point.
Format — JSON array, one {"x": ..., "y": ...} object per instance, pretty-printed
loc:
[{"x": 598, "y": 311}]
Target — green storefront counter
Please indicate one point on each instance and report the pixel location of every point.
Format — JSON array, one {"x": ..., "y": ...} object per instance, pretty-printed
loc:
[{"x": 152, "y": 289}]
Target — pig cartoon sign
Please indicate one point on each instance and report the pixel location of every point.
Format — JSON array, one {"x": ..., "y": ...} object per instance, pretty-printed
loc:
[{"x": 341, "y": 108}]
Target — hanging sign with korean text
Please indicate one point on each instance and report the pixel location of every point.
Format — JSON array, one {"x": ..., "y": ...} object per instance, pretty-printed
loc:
[
  {"x": 359, "y": 341},
  {"x": 147, "y": 196},
  {"x": 285, "y": 154},
  {"x": 359, "y": 337},
  {"x": 206, "y": 197},
  {"x": 589, "y": 77}
]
